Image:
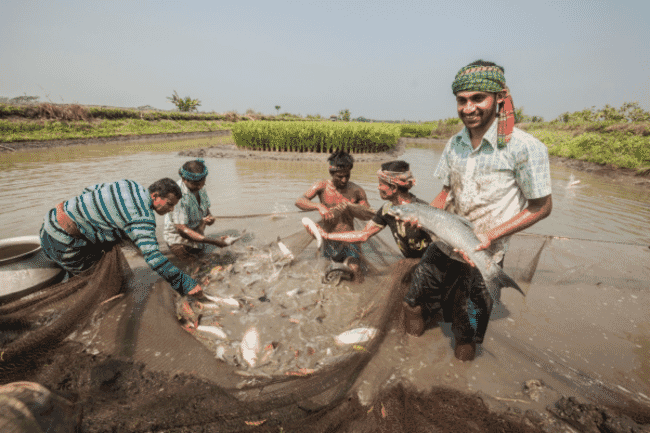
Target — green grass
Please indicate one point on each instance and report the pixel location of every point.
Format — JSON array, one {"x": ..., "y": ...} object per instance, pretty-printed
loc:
[
  {"x": 620, "y": 149},
  {"x": 57, "y": 130}
]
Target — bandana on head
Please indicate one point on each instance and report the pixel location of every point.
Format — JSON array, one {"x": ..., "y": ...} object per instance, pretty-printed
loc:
[
  {"x": 335, "y": 168},
  {"x": 489, "y": 79},
  {"x": 195, "y": 177},
  {"x": 398, "y": 178}
]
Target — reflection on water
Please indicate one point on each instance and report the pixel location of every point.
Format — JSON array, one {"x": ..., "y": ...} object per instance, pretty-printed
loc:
[{"x": 34, "y": 182}]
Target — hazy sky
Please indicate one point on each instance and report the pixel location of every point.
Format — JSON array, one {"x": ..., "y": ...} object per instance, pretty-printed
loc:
[{"x": 389, "y": 60}]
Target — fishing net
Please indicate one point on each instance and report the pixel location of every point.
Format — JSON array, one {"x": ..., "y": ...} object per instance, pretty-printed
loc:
[
  {"x": 143, "y": 328},
  {"x": 34, "y": 324},
  {"x": 133, "y": 366}
]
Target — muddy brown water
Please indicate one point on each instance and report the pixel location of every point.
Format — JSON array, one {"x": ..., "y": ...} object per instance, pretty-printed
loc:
[{"x": 582, "y": 328}]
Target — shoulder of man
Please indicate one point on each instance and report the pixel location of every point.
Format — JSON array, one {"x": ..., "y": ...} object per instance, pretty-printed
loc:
[
  {"x": 355, "y": 186},
  {"x": 523, "y": 138}
]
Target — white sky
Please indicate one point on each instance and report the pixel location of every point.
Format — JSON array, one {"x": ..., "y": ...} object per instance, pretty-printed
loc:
[{"x": 387, "y": 60}]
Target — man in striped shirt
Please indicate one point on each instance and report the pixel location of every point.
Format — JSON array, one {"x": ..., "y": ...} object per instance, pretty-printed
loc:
[{"x": 77, "y": 232}]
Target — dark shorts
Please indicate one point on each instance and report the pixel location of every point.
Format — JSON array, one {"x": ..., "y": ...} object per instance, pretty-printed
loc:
[
  {"x": 339, "y": 251},
  {"x": 74, "y": 255},
  {"x": 442, "y": 284}
]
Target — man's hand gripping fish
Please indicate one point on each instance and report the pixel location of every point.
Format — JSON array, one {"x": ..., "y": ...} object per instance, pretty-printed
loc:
[{"x": 457, "y": 232}]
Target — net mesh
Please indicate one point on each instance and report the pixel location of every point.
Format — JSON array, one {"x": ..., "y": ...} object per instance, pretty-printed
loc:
[{"x": 141, "y": 371}]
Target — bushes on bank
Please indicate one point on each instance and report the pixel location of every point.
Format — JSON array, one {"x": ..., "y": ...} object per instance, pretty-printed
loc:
[
  {"x": 417, "y": 130},
  {"x": 316, "y": 136},
  {"x": 620, "y": 149}
]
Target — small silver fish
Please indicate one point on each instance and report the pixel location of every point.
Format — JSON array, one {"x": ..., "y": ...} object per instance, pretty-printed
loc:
[
  {"x": 285, "y": 250},
  {"x": 213, "y": 330},
  {"x": 250, "y": 346},
  {"x": 356, "y": 336},
  {"x": 231, "y": 302}
]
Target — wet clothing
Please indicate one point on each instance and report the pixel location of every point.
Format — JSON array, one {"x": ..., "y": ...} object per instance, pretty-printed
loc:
[
  {"x": 105, "y": 215},
  {"x": 488, "y": 186},
  {"x": 440, "y": 283},
  {"x": 411, "y": 242},
  {"x": 187, "y": 212},
  {"x": 339, "y": 251}
]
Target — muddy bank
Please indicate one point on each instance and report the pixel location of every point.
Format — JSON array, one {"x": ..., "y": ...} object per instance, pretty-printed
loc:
[
  {"x": 232, "y": 151},
  {"x": 123, "y": 396},
  {"x": 615, "y": 174}
]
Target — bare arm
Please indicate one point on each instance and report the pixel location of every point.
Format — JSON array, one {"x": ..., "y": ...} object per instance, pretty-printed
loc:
[
  {"x": 441, "y": 198},
  {"x": 362, "y": 199},
  {"x": 304, "y": 202},
  {"x": 537, "y": 210},
  {"x": 197, "y": 236}
]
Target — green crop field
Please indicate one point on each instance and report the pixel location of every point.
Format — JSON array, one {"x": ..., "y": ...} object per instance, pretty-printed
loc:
[{"x": 316, "y": 136}]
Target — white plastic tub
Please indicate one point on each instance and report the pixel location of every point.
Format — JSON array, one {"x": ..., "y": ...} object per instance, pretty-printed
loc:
[{"x": 24, "y": 268}]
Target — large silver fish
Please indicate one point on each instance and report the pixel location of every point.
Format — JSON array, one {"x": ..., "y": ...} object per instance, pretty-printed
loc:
[{"x": 458, "y": 232}]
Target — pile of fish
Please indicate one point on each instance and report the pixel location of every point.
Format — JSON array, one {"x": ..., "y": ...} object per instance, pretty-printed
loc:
[{"x": 269, "y": 314}]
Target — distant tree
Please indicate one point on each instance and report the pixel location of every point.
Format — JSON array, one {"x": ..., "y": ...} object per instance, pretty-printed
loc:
[
  {"x": 344, "y": 115},
  {"x": 184, "y": 104},
  {"x": 277, "y": 108},
  {"x": 519, "y": 115},
  {"x": 634, "y": 113},
  {"x": 20, "y": 100}
]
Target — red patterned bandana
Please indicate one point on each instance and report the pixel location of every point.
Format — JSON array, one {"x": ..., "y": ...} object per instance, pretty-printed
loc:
[{"x": 399, "y": 178}]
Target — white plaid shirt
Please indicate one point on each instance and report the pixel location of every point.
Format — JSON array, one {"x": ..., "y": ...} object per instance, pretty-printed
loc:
[{"x": 490, "y": 185}]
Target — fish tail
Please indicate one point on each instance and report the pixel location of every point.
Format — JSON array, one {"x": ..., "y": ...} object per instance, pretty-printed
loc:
[{"x": 499, "y": 281}]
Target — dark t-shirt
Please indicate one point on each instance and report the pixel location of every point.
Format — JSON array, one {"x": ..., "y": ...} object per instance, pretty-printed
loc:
[{"x": 411, "y": 242}]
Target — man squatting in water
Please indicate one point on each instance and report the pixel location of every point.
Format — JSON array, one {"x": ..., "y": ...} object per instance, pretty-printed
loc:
[
  {"x": 336, "y": 195},
  {"x": 497, "y": 177},
  {"x": 185, "y": 224}
]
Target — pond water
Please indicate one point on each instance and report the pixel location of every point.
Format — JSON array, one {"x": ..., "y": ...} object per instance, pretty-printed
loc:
[
  {"x": 34, "y": 182},
  {"x": 585, "y": 310}
]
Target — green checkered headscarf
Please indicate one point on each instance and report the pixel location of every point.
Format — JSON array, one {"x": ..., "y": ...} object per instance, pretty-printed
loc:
[{"x": 474, "y": 78}]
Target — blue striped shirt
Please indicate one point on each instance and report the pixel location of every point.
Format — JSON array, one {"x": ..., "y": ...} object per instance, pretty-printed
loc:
[{"x": 111, "y": 212}]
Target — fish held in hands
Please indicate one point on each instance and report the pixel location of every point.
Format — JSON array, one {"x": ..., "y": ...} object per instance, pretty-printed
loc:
[
  {"x": 458, "y": 232},
  {"x": 314, "y": 230}
]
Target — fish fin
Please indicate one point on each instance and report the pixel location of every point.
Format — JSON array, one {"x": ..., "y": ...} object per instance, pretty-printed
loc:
[{"x": 500, "y": 280}]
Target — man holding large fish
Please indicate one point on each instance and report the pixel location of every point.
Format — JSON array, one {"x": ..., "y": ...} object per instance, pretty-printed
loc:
[{"x": 496, "y": 182}]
